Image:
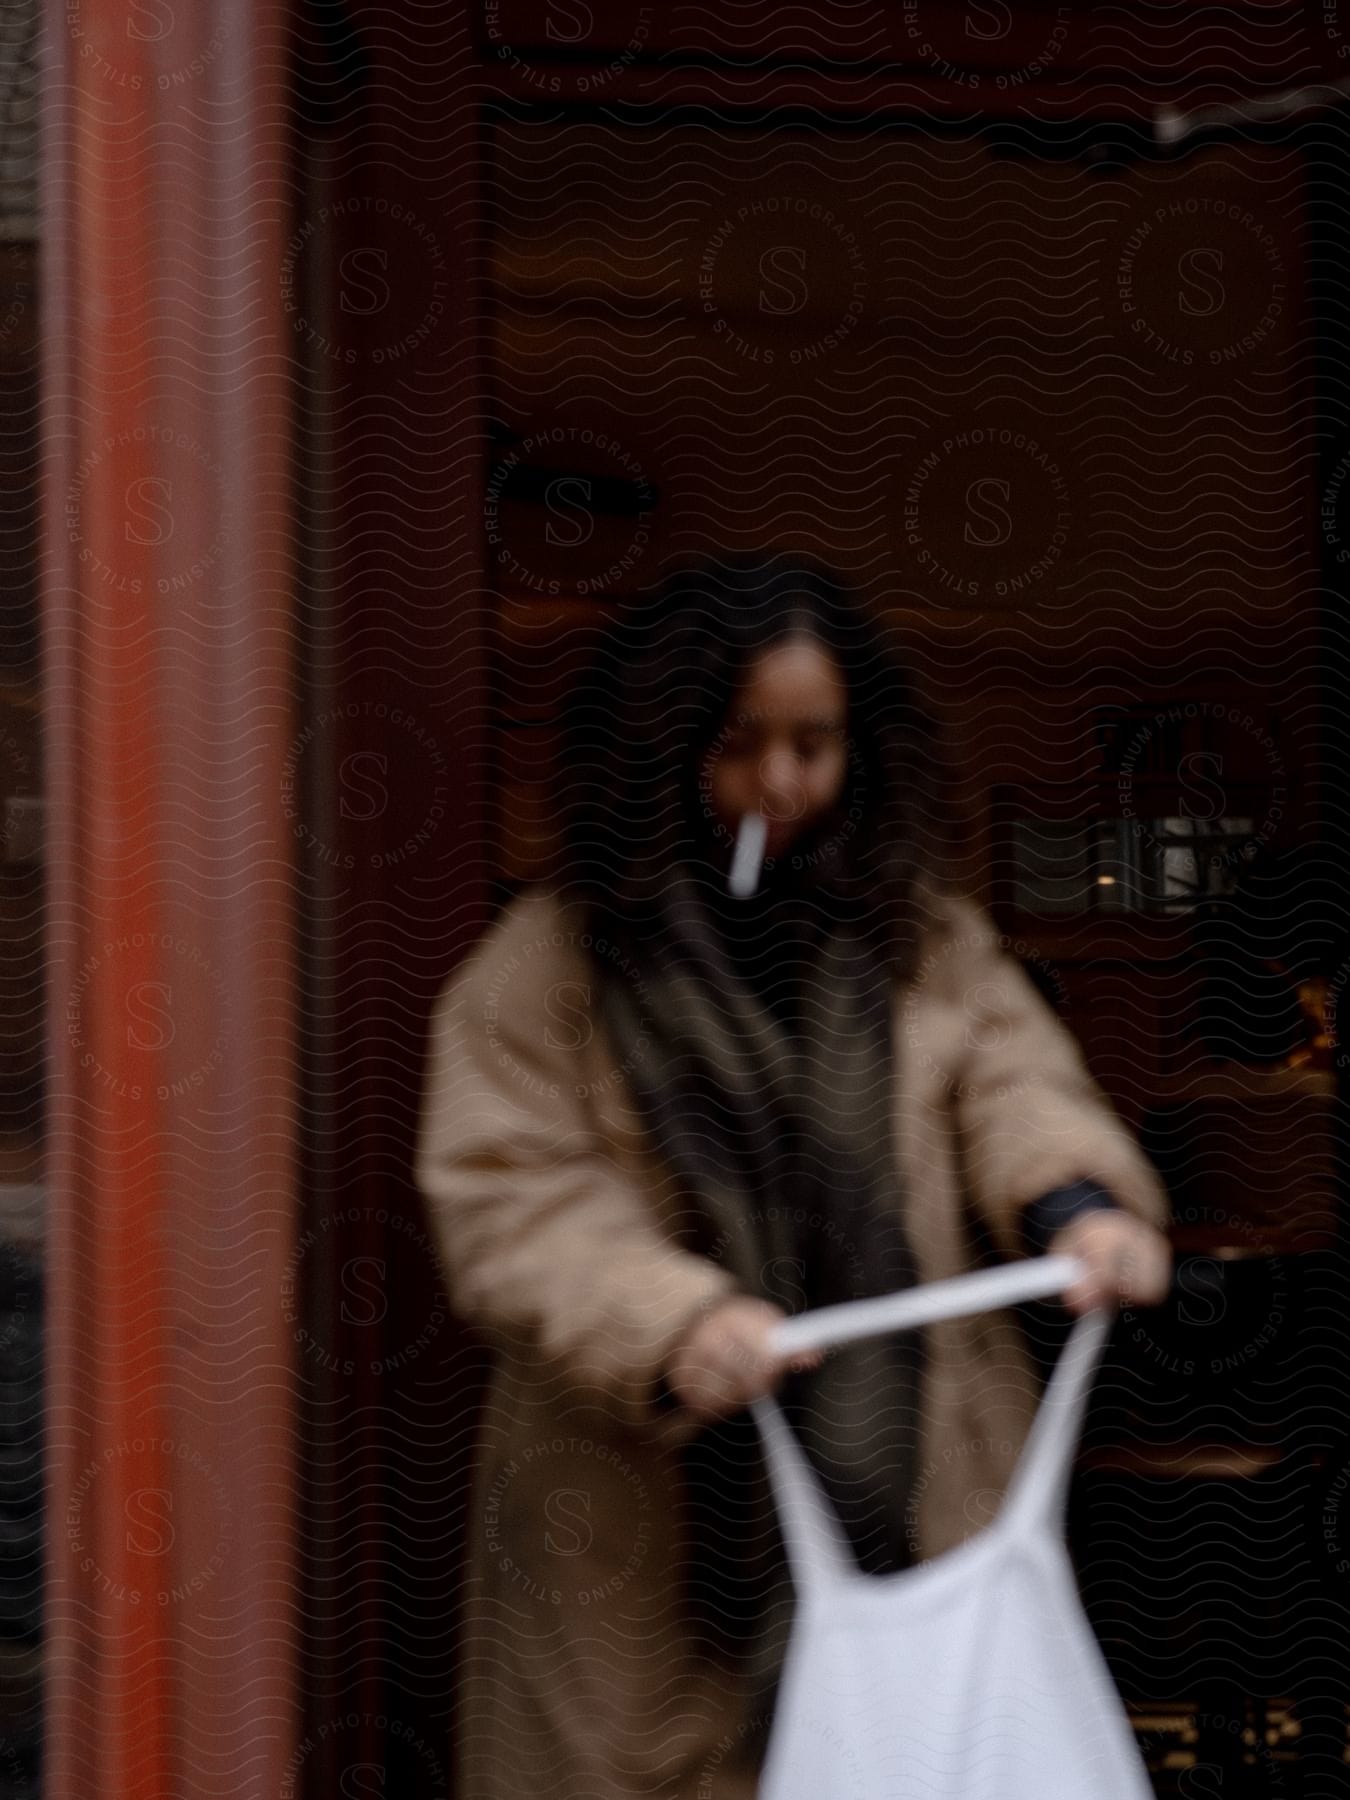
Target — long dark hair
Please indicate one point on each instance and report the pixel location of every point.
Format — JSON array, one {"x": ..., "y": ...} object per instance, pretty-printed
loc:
[{"x": 659, "y": 692}]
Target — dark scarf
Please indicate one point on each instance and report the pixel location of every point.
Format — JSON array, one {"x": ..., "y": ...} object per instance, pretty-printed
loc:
[{"x": 758, "y": 1034}]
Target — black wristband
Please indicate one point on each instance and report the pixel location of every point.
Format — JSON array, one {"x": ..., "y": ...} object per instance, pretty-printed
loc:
[{"x": 1048, "y": 1215}]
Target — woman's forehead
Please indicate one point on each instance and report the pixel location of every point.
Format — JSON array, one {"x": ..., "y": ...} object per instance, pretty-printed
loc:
[{"x": 794, "y": 679}]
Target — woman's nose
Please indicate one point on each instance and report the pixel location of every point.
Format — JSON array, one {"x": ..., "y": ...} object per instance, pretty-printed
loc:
[{"x": 781, "y": 789}]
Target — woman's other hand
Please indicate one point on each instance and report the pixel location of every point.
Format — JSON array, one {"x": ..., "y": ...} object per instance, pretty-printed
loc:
[
  {"x": 727, "y": 1358},
  {"x": 1126, "y": 1262}
]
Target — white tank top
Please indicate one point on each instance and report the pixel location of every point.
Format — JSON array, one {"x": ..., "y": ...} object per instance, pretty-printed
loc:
[{"x": 975, "y": 1676}]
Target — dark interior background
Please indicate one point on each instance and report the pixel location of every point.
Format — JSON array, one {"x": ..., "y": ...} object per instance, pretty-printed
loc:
[{"x": 915, "y": 290}]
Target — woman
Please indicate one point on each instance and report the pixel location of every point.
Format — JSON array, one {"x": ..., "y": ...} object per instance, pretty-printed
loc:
[{"x": 660, "y": 1118}]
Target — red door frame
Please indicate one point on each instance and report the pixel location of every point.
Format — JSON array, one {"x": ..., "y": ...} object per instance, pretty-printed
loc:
[{"x": 167, "y": 623}]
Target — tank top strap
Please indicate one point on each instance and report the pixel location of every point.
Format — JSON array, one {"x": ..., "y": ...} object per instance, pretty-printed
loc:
[
  {"x": 1039, "y": 1490},
  {"x": 818, "y": 1551}
]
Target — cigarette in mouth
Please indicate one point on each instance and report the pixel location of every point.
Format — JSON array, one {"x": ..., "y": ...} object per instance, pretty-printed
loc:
[{"x": 748, "y": 856}]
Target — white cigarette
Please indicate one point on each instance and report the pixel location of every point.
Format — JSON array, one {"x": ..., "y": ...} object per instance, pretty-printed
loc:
[{"x": 748, "y": 857}]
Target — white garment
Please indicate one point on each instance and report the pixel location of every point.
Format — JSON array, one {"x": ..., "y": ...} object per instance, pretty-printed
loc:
[{"x": 972, "y": 1677}]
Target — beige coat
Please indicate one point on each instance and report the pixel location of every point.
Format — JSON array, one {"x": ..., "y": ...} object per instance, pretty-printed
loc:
[{"x": 582, "y": 1679}]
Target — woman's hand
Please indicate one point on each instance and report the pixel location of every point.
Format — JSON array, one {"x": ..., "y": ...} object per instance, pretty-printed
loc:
[
  {"x": 1126, "y": 1261},
  {"x": 727, "y": 1358}
]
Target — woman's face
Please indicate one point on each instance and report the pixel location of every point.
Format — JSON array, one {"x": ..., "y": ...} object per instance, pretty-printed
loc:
[{"x": 781, "y": 751}]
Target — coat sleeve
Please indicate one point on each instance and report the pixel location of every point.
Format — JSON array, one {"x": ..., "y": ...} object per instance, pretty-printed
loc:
[
  {"x": 548, "y": 1247},
  {"x": 1030, "y": 1117}
]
